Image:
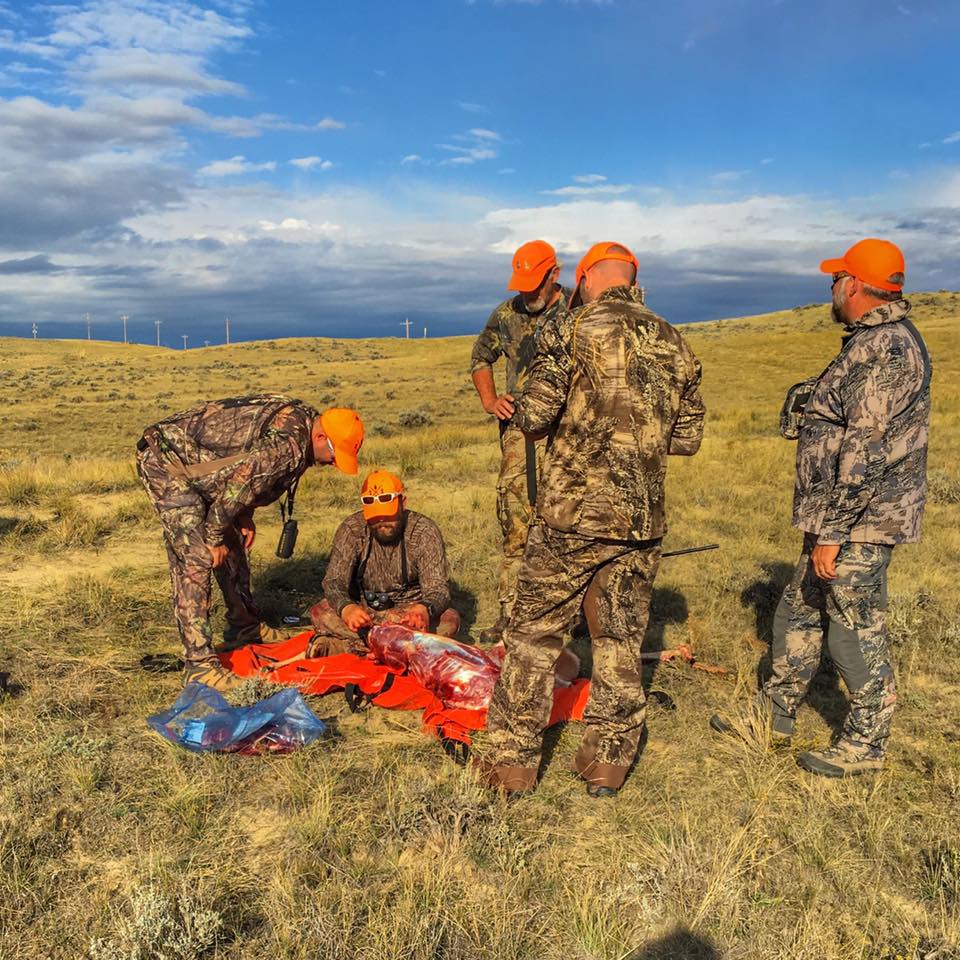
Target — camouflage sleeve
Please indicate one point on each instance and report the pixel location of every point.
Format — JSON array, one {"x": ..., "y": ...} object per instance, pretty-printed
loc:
[
  {"x": 487, "y": 348},
  {"x": 339, "y": 574},
  {"x": 688, "y": 429},
  {"x": 548, "y": 379},
  {"x": 432, "y": 567},
  {"x": 250, "y": 481},
  {"x": 869, "y": 400}
]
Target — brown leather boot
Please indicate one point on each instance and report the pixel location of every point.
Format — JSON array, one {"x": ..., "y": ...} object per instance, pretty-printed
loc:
[{"x": 236, "y": 637}]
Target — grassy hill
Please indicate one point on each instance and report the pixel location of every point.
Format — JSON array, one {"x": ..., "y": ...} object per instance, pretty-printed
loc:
[{"x": 372, "y": 844}]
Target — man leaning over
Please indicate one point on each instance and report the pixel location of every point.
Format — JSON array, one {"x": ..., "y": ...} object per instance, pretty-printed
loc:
[{"x": 206, "y": 470}]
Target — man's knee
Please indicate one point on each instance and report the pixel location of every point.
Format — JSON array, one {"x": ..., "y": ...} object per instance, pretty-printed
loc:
[
  {"x": 324, "y": 617},
  {"x": 448, "y": 624}
]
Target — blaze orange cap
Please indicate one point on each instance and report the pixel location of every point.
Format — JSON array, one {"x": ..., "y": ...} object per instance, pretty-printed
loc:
[
  {"x": 377, "y": 482},
  {"x": 877, "y": 262},
  {"x": 344, "y": 428},
  {"x": 608, "y": 250},
  {"x": 530, "y": 265}
]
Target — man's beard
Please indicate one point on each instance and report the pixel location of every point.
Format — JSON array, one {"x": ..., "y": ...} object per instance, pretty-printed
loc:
[
  {"x": 387, "y": 533},
  {"x": 835, "y": 310},
  {"x": 535, "y": 306}
]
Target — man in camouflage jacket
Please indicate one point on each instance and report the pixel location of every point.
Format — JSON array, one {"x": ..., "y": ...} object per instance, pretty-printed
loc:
[
  {"x": 860, "y": 491},
  {"x": 618, "y": 388},
  {"x": 388, "y": 564},
  {"x": 511, "y": 333},
  {"x": 206, "y": 470}
]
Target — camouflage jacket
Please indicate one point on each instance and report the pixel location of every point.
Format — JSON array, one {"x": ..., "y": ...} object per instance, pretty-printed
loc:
[
  {"x": 862, "y": 451},
  {"x": 620, "y": 388},
  {"x": 272, "y": 434},
  {"x": 512, "y": 333},
  {"x": 383, "y": 570}
]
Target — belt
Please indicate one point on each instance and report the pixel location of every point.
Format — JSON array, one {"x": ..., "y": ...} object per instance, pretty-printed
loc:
[{"x": 184, "y": 471}]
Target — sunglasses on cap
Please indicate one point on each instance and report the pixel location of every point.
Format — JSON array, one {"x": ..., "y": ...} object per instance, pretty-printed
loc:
[
  {"x": 370, "y": 499},
  {"x": 837, "y": 277}
]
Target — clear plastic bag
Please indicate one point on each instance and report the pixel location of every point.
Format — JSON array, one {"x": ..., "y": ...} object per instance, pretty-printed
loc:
[
  {"x": 457, "y": 674},
  {"x": 201, "y": 720}
]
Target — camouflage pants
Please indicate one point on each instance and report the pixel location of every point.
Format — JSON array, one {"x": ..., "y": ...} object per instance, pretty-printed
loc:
[
  {"x": 514, "y": 510},
  {"x": 331, "y": 635},
  {"x": 613, "y": 583},
  {"x": 183, "y": 514},
  {"x": 849, "y": 613}
]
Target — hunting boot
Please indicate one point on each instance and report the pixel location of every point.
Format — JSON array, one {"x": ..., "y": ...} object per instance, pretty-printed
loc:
[
  {"x": 841, "y": 760},
  {"x": 236, "y": 637},
  {"x": 755, "y": 721},
  {"x": 493, "y": 635},
  {"x": 211, "y": 673}
]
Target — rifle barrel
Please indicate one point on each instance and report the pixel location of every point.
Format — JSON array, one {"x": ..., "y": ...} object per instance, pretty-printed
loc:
[{"x": 685, "y": 550}]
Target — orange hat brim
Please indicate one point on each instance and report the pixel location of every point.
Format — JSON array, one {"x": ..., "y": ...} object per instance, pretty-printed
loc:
[
  {"x": 527, "y": 282},
  {"x": 345, "y": 460},
  {"x": 837, "y": 265}
]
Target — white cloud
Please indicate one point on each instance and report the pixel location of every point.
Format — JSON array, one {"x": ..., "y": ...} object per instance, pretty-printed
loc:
[
  {"x": 308, "y": 163},
  {"x": 471, "y": 107},
  {"x": 766, "y": 161},
  {"x": 411, "y": 158},
  {"x": 728, "y": 176},
  {"x": 234, "y": 167},
  {"x": 609, "y": 189},
  {"x": 953, "y": 138},
  {"x": 290, "y": 225},
  {"x": 328, "y": 123},
  {"x": 138, "y": 69},
  {"x": 474, "y": 145},
  {"x": 589, "y": 178}
]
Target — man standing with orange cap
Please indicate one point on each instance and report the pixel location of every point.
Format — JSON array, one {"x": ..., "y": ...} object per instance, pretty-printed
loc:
[
  {"x": 619, "y": 389},
  {"x": 862, "y": 427},
  {"x": 206, "y": 471},
  {"x": 388, "y": 564},
  {"x": 511, "y": 332}
]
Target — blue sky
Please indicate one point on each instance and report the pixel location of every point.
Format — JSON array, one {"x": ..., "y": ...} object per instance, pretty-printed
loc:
[{"x": 329, "y": 169}]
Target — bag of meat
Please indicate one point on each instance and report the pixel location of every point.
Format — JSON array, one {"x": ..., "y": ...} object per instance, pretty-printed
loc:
[{"x": 456, "y": 674}]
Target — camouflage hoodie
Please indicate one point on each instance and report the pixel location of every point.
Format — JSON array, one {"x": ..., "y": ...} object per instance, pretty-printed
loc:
[
  {"x": 272, "y": 433},
  {"x": 621, "y": 388},
  {"x": 862, "y": 451},
  {"x": 512, "y": 333}
]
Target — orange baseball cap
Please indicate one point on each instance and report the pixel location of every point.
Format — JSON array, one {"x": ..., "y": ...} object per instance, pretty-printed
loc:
[
  {"x": 344, "y": 429},
  {"x": 607, "y": 250},
  {"x": 378, "y": 485},
  {"x": 877, "y": 262},
  {"x": 530, "y": 265}
]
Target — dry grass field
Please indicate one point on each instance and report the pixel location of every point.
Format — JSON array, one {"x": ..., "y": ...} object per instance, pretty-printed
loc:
[{"x": 371, "y": 844}]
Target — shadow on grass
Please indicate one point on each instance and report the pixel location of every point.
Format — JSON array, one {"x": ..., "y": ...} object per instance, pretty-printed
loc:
[
  {"x": 679, "y": 945},
  {"x": 824, "y": 695},
  {"x": 465, "y": 603},
  {"x": 290, "y": 587}
]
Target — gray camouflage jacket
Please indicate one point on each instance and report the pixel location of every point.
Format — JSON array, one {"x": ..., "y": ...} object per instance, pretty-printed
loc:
[
  {"x": 620, "y": 388},
  {"x": 862, "y": 451}
]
